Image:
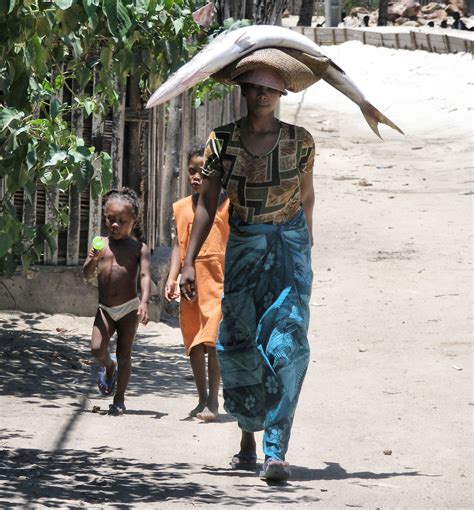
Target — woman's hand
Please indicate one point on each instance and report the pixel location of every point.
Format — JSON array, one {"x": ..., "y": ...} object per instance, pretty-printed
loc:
[
  {"x": 171, "y": 290},
  {"x": 187, "y": 284}
]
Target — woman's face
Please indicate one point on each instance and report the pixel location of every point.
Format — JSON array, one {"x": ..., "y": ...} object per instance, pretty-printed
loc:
[{"x": 260, "y": 99}]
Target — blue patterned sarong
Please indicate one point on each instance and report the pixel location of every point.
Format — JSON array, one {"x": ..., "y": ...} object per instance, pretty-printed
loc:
[{"x": 262, "y": 343}]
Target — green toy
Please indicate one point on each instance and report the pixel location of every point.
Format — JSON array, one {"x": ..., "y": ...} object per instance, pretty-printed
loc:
[{"x": 98, "y": 243}]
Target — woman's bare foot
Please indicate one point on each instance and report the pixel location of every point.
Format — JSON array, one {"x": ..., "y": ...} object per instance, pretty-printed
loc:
[
  {"x": 198, "y": 409},
  {"x": 246, "y": 459},
  {"x": 248, "y": 446},
  {"x": 275, "y": 470},
  {"x": 207, "y": 414}
]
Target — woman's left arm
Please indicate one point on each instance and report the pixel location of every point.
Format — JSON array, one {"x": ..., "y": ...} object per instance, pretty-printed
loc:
[{"x": 307, "y": 200}]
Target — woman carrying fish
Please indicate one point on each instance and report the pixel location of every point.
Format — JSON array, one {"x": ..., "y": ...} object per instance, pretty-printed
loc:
[{"x": 266, "y": 166}]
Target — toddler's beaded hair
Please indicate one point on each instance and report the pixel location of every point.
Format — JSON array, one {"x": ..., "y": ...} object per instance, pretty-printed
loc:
[{"x": 125, "y": 195}]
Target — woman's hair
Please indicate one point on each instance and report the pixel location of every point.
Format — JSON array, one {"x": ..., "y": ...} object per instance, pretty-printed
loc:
[
  {"x": 125, "y": 195},
  {"x": 195, "y": 149}
]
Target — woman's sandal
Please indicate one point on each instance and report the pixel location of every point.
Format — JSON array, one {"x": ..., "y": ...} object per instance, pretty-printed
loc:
[
  {"x": 106, "y": 388},
  {"x": 244, "y": 462},
  {"x": 117, "y": 409},
  {"x": 275, "y": 470}
]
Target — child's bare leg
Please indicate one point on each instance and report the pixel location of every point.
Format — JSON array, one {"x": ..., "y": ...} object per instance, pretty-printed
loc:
[
  {"x": 197, "y": 357},
  {"x": 210, "y": 412},
  {"x": 102, "y": 331},
  {"x": 214, "y": 379},
  {"x": 126, "y": 329}
]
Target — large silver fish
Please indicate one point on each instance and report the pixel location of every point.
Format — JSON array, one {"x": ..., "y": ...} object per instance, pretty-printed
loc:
[{"x": 233, "y": 45}]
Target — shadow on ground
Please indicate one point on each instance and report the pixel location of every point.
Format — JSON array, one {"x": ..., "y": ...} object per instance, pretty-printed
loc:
[
  {"x": 49, "y": 365},
  {"x": 79, "y": 478},
  {"x": 332, "y": 471}
]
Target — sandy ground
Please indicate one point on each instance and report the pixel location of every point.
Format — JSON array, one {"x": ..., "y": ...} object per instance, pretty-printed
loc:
[{"x": 391, "y": 331}]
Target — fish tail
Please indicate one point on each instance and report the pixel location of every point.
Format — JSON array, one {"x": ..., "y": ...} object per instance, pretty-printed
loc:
[{"x": 374, "y": 117}]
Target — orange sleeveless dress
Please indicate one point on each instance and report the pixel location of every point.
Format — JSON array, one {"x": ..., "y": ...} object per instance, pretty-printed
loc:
[{"x": 199, "y": 319}]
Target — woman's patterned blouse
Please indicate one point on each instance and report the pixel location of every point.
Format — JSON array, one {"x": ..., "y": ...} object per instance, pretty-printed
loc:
[{"x": 261, "y": 189}]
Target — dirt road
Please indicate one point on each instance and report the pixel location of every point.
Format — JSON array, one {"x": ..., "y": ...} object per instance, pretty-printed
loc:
[{"x": 385, "y": 415}]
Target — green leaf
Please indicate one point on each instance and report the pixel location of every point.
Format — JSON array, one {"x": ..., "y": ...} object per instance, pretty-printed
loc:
[
  {"x": 10, "y": 209},
  {"x": 43, "y": 26},
  {"x": 6, "y": 6},
  {"x": 96, "y": 188},
  {"x": 30, "y": 189},
  {"x": 39, "y": 61},
  {"x": 83, "y": 75},
  {"x": 17, "y": 179},
  {"x": 106, "y": 56},
  {"x": 58, "y": 81},
  {"x": 4, "y": 79},
  {"x": 8, "y": 265},
  {"x": 64, "y": 217},
  {"x": 55, "y": 158},
  {"x": 125, "y": 58},
  {"x": 51, "y": 243},
  {"x": 17, "y": 95},
  {"x": 5, "y": 244},
  {"x": 80, "y": 154},
  {"x": 106, "y": 170},
  {"x": 90, "y": 7},
  {"x": 75, "y": 43},
  {"x": 142, "y": 6},
  {"x": 163, "y": 16},
  {"x": 89, "y": 106},
  {"x": 56, "y": 107},
  {"x": 178, "y": 25},
  {"x": 118, "y": 20},
  {"x": 63, "y": 4},
  {"x": 31, "y": 156},
  {"x": 8, "y": 115}
]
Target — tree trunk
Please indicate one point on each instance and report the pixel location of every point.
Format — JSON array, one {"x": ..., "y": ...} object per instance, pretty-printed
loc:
[
  {"x": 133, "y": 176},
  {"x": 332, "y": 13},
  {"x": 268, "y": 12},
  {"x": 170, "y": 170},
  {"x": 306, "y": 13},
  {"x": 264, "y": 12},
  {"x": 383, "y": 8}
]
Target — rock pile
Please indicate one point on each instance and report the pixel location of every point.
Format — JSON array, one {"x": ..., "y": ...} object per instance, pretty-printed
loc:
[{"x": 452, "y": 14}]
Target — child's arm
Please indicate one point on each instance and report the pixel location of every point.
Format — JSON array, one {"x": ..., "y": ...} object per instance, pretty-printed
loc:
[
  {"x": 90, "y": 265},
  {"x": 171, "y": 288},
  {"x": 145, "y": 284}
]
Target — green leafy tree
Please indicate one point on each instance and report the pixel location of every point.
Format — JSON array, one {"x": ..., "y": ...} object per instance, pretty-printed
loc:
[{"x": 51, "y": 46}]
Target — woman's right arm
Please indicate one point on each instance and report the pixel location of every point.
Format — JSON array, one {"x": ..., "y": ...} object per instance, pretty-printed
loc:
[{"x": 203, "y": 220}]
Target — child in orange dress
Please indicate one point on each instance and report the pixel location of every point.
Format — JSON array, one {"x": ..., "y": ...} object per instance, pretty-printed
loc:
[{"x": 199, "y": 320}]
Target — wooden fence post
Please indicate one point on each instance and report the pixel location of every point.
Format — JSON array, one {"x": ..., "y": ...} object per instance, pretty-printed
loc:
[
  {"x": 117, "y": 140},
  {"x": 74, "y": 226},
  {"x": 170, "y": 170},
  {"x": 51, "y": 204},
  {"x": 95, "y": 209},
  {"x": 29, "y": 208},
  {"x": 186, "y": 140}
]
